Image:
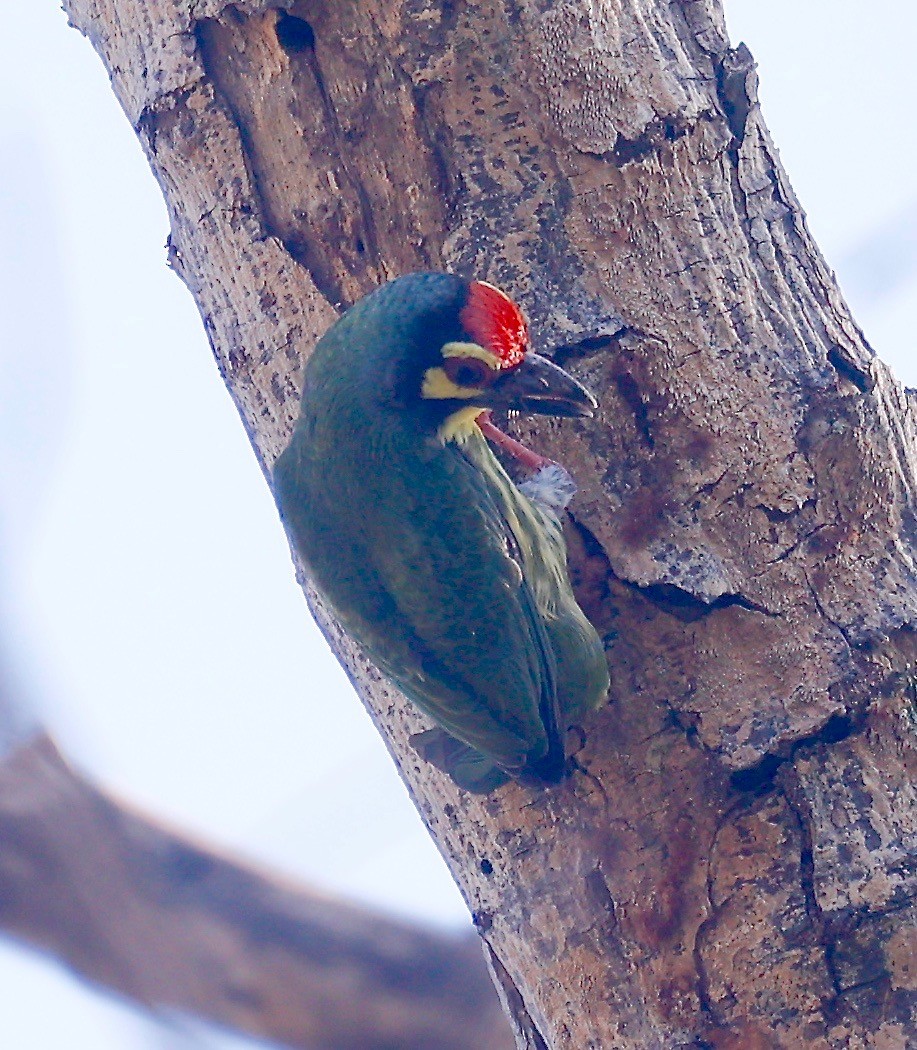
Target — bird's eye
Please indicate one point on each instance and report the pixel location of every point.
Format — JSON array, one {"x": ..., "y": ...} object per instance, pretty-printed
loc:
[{"x": 468, "y": 371}]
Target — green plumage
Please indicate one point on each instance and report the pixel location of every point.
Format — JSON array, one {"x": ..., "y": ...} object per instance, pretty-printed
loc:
[{"x": 431, "y": 558}]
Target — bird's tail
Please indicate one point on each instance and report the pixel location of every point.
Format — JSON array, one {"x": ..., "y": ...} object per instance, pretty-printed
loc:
[{"x": 468, "y": 768}]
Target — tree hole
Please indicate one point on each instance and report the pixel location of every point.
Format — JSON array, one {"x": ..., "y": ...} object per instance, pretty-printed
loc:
[{"x": 295, "y": 35}]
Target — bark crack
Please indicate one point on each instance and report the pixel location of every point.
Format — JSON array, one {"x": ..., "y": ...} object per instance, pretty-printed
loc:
[
  {"x": 589, "y": 345},
  {"x": 793, "y": 547},
  {"x": 737, "y": 86},
  {"x": 708, "y": 925},
  {"x": 687, "y": 606},
  {"x": 848, "y": 369},
  {"x": 526, "y": 1031},
  {"x": 655, "y": 135},
  {"x": 761, "y": 775},
  {"x": 818, "y": 921},
  {"x": 822, "y": 612}
]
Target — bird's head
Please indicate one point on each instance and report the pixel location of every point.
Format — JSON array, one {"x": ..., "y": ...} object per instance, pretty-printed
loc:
[{"x": 445, "y": 349}]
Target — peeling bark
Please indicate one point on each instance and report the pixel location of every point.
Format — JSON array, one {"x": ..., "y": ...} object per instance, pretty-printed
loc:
[{"x": 733, "y": 864}]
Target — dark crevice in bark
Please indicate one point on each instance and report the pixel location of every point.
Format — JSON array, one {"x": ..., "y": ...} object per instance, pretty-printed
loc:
[
  {"x": 587, "y": 346},
  {"x": 777, "y": 516},
  {"x": 687, "y": 607},
  {"x": 758, "y": 776},
  {"x": 527, "y": 1035},
  {"x": 709, "y": 487},
  {"x": 761, "y": 775},
  {"x": 655, "y": 134},
  {"x": 845, "y": 368},
  {"x": 737, "y": 85},
  {"x": 667, "y": 597},
  {"x": 817, "y": 921},
  {"x": 793, "y": 547},
  {"x": 604, "y": 341},
  {"x": 437, "y": 139},
  {"x": 846, "y": 951},
  {"x": 842, "y": 629},
  {"x": 700, "y": 968},
  {"x": 806, "y": 865}
]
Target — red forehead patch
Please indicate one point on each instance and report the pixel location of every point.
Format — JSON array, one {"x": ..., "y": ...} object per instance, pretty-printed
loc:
[{"x": 495, "y": 322}]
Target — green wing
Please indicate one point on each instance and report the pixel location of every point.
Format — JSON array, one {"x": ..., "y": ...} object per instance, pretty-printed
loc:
[
  {"x": 422, "y": 567},
  {"x": 581, "y": 669}
]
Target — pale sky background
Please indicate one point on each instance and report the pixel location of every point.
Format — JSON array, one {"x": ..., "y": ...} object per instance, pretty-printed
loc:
[{"x": 207, "y": 696}]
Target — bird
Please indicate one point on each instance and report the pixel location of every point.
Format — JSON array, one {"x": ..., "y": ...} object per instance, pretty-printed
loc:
[{"x": 452, "y": 580}]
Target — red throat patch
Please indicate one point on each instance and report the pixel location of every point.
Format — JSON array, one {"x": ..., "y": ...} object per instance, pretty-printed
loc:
[{"x": 496, "y": 323}]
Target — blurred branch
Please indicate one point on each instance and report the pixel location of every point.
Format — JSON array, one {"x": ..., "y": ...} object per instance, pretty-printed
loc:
[{"x": 168, "y": 923}]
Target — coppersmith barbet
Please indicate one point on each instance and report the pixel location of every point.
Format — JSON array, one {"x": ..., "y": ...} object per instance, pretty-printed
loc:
[{"x": 452, "y": 580}]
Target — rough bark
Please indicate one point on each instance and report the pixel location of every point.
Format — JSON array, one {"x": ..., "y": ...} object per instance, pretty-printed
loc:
[
  {"x": 733, "y": 866},
  {"x": 170, "y": 924}
]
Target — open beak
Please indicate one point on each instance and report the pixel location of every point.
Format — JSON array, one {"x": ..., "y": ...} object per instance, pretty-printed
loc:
[{"x": 538, "y": 386}]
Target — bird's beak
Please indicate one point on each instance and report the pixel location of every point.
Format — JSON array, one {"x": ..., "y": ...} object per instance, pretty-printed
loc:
[{"x": 538, "y": 386}]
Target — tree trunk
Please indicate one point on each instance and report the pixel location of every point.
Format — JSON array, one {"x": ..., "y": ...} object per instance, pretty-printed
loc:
[{"x": 733, "y": 865}]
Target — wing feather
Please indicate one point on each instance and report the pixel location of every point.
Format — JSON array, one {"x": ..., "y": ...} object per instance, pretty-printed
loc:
[{"x": 431, "y": 581}]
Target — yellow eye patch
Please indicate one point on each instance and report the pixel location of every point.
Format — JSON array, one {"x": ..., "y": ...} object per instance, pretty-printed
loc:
[
  {"x": 436, "y": 384},
  {"x": 468, "y": 369}
]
